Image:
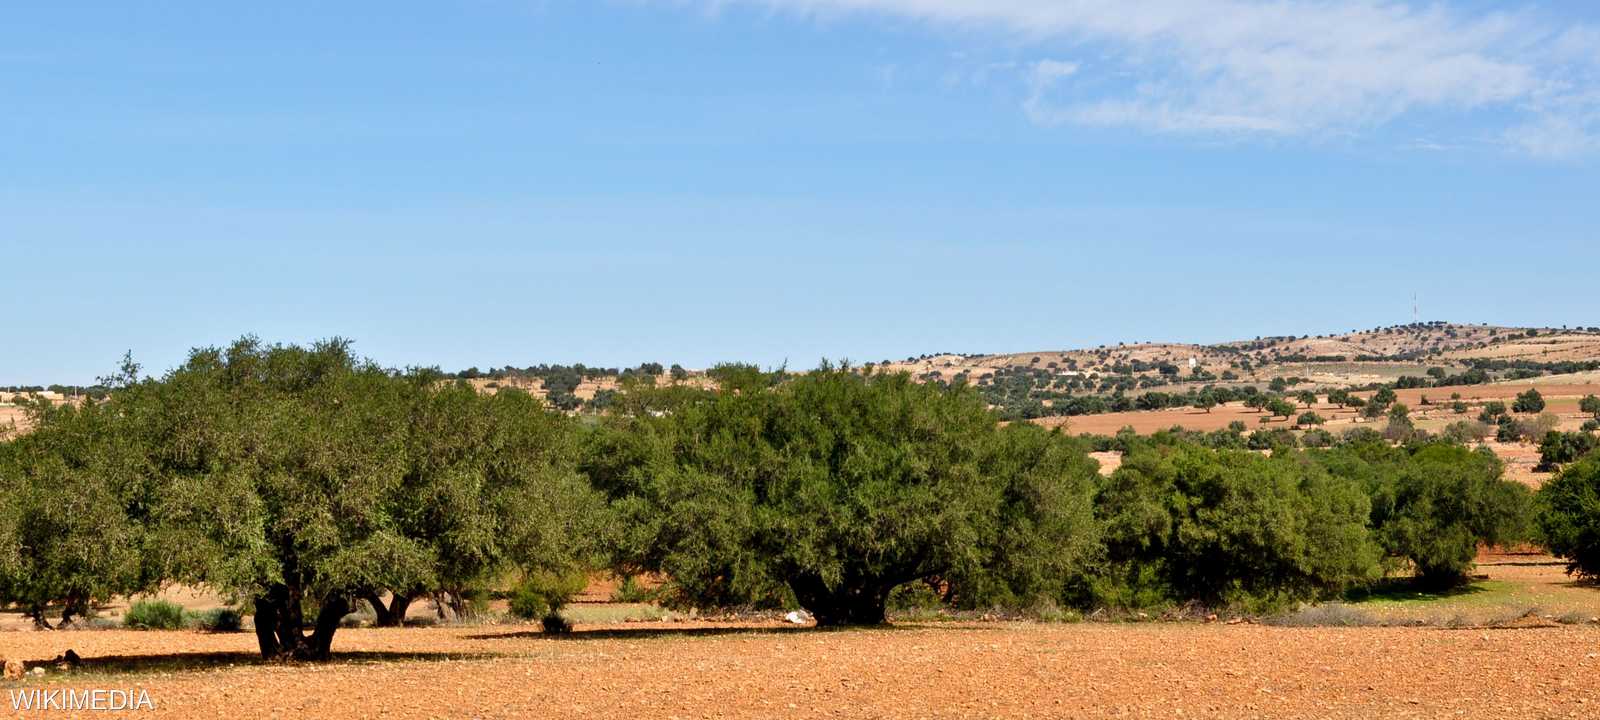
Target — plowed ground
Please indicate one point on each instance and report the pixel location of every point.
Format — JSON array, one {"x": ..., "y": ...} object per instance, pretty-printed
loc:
[{"x": 984, "y": 670}]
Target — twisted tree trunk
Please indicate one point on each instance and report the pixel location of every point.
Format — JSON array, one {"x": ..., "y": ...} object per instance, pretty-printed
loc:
[{"x": 279, "y": 619}]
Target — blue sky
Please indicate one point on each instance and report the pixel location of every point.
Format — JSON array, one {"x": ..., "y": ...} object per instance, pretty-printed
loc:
[{"x": 490, "y": 183}]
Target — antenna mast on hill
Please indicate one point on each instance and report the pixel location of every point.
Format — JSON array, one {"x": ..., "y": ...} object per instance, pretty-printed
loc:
[{"x": 1416, "y": 315}]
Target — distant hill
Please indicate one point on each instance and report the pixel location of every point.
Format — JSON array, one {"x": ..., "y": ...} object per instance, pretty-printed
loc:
[{"x": 1114, "y": 377}]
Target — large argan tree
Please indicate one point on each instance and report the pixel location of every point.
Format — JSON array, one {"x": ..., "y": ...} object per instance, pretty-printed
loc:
[
  {"x": 830, "y": 488},
  {"x": 490, "y": 485},
  {"x": 304, "y": 479}
]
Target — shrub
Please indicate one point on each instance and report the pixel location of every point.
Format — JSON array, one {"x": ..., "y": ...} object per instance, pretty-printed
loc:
[
  {"x": 1590, "y": 404},
  {"x": 1465, "y": 432},
  {"x": 1569, "y": 517},
  {"x": 1273, "y": 439},
  {"x": 915, "y": 596},
  {"x": 1317, "y": 438},
  {"x": 155, "y": 615},
  {"x": 1529, "y": 402},
  {"x": 1328, "y": 615},
  {"x": 631, "y": 591},
  {"x": 541, "y": 594},
  {"x": 219, "y": 620}
]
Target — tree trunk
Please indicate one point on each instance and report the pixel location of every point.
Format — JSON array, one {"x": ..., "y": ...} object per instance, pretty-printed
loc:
[
  {"x": 280, "y": 625},
  {"x": 863, "y": 603},
  {"x": 393, "y": 614},
  {"x": 39, "y": 622},
  {"x": 320, "y": 644},
  {"x": 267, "y": 627}
]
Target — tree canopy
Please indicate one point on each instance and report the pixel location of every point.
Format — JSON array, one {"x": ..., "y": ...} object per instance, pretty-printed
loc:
[{"x": 832, "y": 488}]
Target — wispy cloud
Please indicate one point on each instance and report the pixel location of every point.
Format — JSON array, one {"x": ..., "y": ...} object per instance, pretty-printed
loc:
[{"x": 1303, "y": 68}]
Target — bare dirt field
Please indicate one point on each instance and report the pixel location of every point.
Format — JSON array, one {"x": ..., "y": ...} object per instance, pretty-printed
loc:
[
  {"x": 1476, "y": 668},
  {"x": 12, "y": 418},
  {"x": 978, "y": 670}
]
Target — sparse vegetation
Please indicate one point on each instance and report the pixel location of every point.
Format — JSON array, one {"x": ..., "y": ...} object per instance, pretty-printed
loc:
[{"x": 156, "y": 615}]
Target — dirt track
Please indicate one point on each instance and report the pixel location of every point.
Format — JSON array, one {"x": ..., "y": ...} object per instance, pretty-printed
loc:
[{"x": 693, "y": 670}]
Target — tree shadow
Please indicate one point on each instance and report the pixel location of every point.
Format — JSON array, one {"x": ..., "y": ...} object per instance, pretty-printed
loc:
[
  {"x": 690, "y": 632},
  {"x": 645, "y": 633},
  {"x": 203, "y": 661},
  {"x": 1410, "y": 590}
]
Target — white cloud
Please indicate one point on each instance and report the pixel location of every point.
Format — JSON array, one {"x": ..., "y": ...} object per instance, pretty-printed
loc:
[{"x": 1285, "y": 67}]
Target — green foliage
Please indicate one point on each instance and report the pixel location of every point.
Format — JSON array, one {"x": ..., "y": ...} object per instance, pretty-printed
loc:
[
  {"x": 339, "y": 480},
  {"x": 1559, "y": 448},
  {"x": 1280, "y": 407},
  {"x": 1464, "y": 432},
  {"x": 1274, "y": 439},
  {"x": 155, "y": 615},
  {"x": 541, "y": 594},
  {"x": 1433, "y": 506},
  {"x": 630, "y": 590},
  {"x": 1230, "y": 528},
  {"x": 1590, "y": 404},
  {"x": 1036, "y": 544},
  {"x": 1317, "y": 438},
  {"x": 219, "y": 620},
  {"x": 1529, "y": 402},
  {"x": 1569, "y": 517},
  {"x": 75, "y": 527},
  {"x": 829, "y": 489},
  {"x": 1492, "y": 412},
  {"x": 1310, "y": 419}
]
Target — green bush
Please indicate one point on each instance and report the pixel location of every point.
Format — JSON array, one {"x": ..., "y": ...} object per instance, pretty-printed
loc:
[
  {"x": 1569, "y": 517},
  {"x": 220, "y": 620},
  {"x": 631, "y": 591},
  {"x": 914, "y": 597},
  {"x": 541, "y": 594},
  {"x": 156, "y": 615}
]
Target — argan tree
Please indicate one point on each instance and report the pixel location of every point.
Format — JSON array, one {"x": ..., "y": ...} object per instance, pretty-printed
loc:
[
  {"x": 1433, "y": 505},
  {"x": 74, "y": 514},
  {"x": 1569, "y": 517},
  {"x": 303, "y": 479},
  {"x": 1186, "y": 523},
  {"x": 490, "y": 485},
  {"x": 829, "y": 489}
]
